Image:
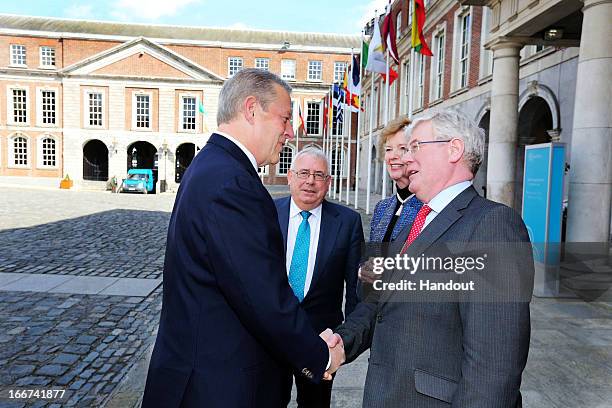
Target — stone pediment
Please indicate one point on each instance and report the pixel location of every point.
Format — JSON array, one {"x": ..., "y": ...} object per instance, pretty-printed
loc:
[{"x": 141, "y": 58}]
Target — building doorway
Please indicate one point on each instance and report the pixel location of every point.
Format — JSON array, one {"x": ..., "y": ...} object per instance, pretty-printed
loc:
[
  {"x": 535, "y": 120},
  {"x": 141, "y": 155},
  {"x": 184, "y": 155},
  {"x": 95, "y": 161}
]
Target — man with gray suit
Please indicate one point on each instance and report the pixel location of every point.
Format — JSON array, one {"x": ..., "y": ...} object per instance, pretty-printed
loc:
[{"x": 460, "y": 349}]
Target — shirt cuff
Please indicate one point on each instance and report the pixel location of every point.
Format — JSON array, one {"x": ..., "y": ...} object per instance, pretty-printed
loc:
[{"x": 328, "y": 361}]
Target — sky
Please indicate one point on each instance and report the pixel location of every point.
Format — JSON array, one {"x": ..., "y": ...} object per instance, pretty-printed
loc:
[{"x": 320, "y": 16}]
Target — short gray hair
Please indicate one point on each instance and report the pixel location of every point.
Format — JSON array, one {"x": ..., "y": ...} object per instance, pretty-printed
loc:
[
  {"x": 247, "y": 82},
  {"x": 312, "y": 152},
  {"x": 451, "y": 124}
]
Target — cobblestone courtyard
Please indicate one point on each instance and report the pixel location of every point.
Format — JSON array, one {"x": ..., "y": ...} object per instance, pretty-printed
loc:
[{"x": 68, "y": 322}]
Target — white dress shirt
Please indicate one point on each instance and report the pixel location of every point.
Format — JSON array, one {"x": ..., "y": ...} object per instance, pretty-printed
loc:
[
  {"x": 242, "y": 147},
  {"x": 443, "y": 198},
  {"x": 295, "y": 219}
]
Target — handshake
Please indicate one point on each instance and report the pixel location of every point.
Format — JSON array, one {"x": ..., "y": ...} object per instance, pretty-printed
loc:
[{"x": 336, "y": 352}]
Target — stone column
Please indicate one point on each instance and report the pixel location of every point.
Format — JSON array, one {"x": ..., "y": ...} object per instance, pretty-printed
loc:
[
  {"x": 503, "y": 133},
  {"x": 590, "y": 188}
]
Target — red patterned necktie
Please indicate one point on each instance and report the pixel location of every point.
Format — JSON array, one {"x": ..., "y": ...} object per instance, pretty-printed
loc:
[{"x": 417, "y": 226}]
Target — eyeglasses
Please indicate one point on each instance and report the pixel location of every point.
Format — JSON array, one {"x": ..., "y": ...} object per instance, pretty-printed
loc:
[
  {"x": 416, "y": 146},
  {"x": 304, "y": 174}
]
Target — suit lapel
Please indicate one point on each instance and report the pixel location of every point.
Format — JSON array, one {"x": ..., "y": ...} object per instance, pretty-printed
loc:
[
  {"x": 283, "y": 217},
  {"x": 434, "y": 230},
  {"x": 330, "y": 224}
]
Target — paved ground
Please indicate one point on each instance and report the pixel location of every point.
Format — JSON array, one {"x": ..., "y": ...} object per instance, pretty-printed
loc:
[{"x": 96, "y": 346}]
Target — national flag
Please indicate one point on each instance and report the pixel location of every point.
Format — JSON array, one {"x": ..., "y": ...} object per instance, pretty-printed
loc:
[
  {"x": 364, "y": 54},
  {"x": 376, "y": 55},
  {"x": 354, "y": 86},
  {"x": 418, "y": 22},
  {"x": 388, "y": 35},
  {"x": 392, "y": 76},
  {"x": 201, "y": 108},
  {"x": 302, "y": 123},
  {"x": 338, "y": 101},
  {"x": 325, "y": 113}
]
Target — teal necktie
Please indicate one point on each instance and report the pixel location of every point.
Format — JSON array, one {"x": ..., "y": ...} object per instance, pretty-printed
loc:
[{"x": 299, "y": 260}]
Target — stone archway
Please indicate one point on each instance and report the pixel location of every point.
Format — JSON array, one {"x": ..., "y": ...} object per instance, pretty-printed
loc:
[
  {"x": 142, "y": 155},
  {"x": 535, "y": 120},
  {"x": 95, "y": 161},
  {"x": 184, "y": 155}
]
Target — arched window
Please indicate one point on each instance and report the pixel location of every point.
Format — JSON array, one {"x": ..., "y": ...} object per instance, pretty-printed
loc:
[
  {"x": 47, "y": 152},
  {"x": 19, "y": 151},
  {"x": 286, "y": 156}
]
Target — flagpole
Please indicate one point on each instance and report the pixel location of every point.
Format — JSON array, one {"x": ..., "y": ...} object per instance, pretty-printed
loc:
[
  {"x": 368, "y": 188},
  {"x": 350, "y": 133},
  {"x": 335, "y": 151},
  {"x": 297, "y": 134},
  {"x": 411, "y": 82},
  {"x": 384, "y": 173},
  {"x": 357, "y": 152}
]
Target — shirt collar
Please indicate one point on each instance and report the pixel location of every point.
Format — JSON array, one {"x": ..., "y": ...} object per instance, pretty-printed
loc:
[
  {"x": 444, "y": 197},
  {"x": 246, "y": 151},
  {"x": 294, "y": 210}
]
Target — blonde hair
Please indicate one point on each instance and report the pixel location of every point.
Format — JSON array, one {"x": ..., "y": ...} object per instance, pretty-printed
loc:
[{"x": 391, "y": 129}]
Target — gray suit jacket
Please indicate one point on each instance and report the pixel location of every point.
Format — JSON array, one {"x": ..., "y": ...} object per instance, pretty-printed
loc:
[{"x": 443, "y": 352}]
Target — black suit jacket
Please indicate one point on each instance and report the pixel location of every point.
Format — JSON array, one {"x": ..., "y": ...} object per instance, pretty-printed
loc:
[
  {"x": 230, "y": 323},
  {"x": 427, "y": 352},
  {"x": 338, "y": 254}
]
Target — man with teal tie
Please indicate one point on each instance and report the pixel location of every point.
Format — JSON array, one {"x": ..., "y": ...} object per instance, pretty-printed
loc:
[{"x": 323, "y": 245}]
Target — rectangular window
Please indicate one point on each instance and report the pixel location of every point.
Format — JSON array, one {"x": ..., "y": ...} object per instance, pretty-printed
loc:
[
  {"x": 18, "y": 55},
  {"x": 420, "y": 100},
  {"x": 339, "y": 68},
  {"x": 313, "y": 118},
  {"x": 48, "y": 107},
  {"x": 47, "y": 57},
  {"x": 94, "y": 104},
  {"x": 20, "y": 106},
  {"x": 234, "y": 64},
  {"x": 398, "y": 23},
  {"x": 262, "y": 63},
  {"x": 314, "y": 70},
  {"x": 288, "y": 69},
  {"x": 143, "y": 111},
  {"x": 439, "y": 66},
  {"x": 464, "y": 50},
  {"x": 188, "y": 113},
  {"x": 48, "y": 152},
  {"x": 20, "y": 151}
]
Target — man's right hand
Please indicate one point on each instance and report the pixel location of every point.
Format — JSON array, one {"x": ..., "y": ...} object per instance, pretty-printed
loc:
[
  {"x": 366, "y": 272},
  {"x": 336, "y": 352}
]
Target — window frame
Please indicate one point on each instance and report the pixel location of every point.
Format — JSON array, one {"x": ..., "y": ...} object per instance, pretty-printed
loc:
[
  {"x": 181, "y": 123},
  {"x": 42, "y": 57},
  {"x": 263, "y": 59},
  {"x": 14, "y": 56},
  {"x": 135, "y": 96},
  {"x": 339, "y": 73},
  {"x": 320, "y": 114},
  {"x": 86, "y": 108},
  {"x": 283, "y": 66},
  {"x": 280, "y": 161},
  {"x": 11, "y": 151},
  {"x": 40, "y": 152},
  {"x": 459, "y": 46},
  {"x": 437, "y": 76},
  {"x": 10, "y": 106},
  {"x": 230, "y": 66},
  {"x": 312, "y": 71},
  {"x": 40, "y": 112}
]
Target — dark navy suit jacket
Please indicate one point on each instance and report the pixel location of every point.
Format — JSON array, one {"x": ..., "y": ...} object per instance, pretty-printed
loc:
[
  {"x": 338, "y": 254},
  {"x": 230, "y": 324}
]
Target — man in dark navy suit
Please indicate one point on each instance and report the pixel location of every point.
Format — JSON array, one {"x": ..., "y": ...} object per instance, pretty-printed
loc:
[
  {"x": 323, "y": 245},
  {"x": 230, "y": 324}
]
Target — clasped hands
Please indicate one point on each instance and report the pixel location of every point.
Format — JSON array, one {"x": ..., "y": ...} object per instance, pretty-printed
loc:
[{"x": 336, "y": 352}]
